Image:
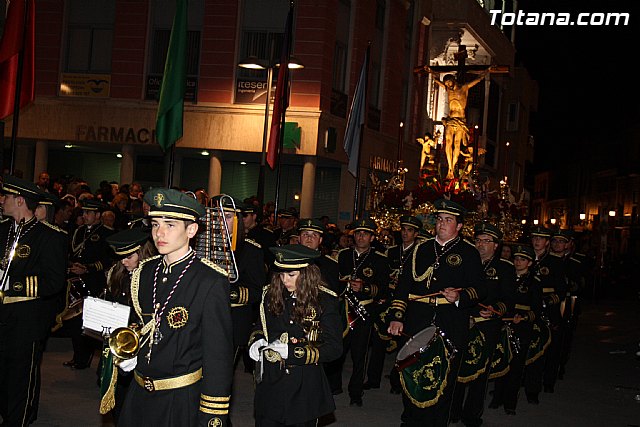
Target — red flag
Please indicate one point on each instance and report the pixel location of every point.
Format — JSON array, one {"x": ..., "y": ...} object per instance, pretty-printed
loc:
[
  {"x": 281, "y": 101},
  {"x": 19, "y": 35}
]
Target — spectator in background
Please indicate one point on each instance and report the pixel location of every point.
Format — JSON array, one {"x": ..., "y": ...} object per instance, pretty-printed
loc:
[
  {"x": 135, "y": 191},
  {"x": 505, "y": 253},
  {"x": 43, "y": 181},
  {"x": 119, "y": 207},
  {"x": 108, "y": 219},
  {"x": 62, "y": 214}
]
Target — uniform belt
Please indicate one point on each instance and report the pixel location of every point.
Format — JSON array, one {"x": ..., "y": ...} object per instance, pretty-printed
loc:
[
  {"x": 150, "y": 384},
  {"x": 548, "y": 290},
  {"x": 522, "y": 307},
  {"x": 435, "y": 301},
  {"x": 238, "y": 305},
  {"x": 11, "y": 300}
]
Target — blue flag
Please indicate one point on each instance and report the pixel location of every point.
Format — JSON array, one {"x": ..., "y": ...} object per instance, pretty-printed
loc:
[{"x": 355, "y": 121}]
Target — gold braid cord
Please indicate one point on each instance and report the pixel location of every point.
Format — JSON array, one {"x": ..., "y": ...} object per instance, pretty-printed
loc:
[
  {"x": 427, "y": 274},
  {"x": 263, "y": 318},
  {"x": 108, "y": 401},
  {"x": 135, "y": 286}
]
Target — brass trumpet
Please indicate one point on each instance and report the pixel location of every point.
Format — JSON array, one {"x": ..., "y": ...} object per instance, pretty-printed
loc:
[{"x": 124, "y": 343}]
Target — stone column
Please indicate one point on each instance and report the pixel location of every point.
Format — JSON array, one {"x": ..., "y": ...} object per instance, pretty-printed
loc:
[
  {"x": 215, "y": 174},
  {"x": 308, "y": 187},
  {"x": 41, "y": 158},
  {"x": 126, "y": 164}
]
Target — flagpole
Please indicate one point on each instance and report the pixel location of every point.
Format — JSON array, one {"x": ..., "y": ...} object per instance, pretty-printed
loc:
[
  {"x": 284, "y": 68},
  {"x": 356, "y": 200},
  {"x": 172, "y": 154},
  {"x": 16, "y": 98}
]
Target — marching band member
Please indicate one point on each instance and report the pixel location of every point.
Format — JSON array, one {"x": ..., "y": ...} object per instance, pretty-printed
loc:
[
  {"x": 184, "y": 368},
  {"x": 33, "y": 273},
  {"x": 299, "y": 330},
  {"x": 500, "y": 280},
  {"x": 365, "y": 273},
  {"x": 442, "y": 281}
]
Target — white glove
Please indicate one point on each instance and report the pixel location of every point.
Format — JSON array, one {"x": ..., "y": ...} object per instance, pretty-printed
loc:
[
  {"x": 128, "y": 365},
  {"x": 280, "y": 347},
  {"x": 254, "y": 350}
]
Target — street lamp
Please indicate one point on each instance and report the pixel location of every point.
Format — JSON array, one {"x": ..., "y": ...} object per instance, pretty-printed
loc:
[
  {"x": 583, "y": 216},
  {"x": 253, "y": 63}
]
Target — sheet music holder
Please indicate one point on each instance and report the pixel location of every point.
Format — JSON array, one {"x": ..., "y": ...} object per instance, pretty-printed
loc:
[{"x": 101, "y": 317}]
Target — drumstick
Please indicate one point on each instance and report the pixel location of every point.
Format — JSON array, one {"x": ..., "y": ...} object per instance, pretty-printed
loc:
[
  {"x": 507, "y": 319},
  {"x": 419, "y": 297},
  {"x": 486, "y": 307}
]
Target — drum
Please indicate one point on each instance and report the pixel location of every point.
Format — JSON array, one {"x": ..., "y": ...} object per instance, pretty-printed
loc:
[
  {"x": 424, "y": 363},
  {"x": 76, "y": 291},
  {"x": 476, "y": 358},
  {"x": 540, "y": 340},
  {"x": 503, "y": 353}
]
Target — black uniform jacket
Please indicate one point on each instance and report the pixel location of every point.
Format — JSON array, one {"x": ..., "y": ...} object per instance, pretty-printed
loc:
[
  {"x": 247, "y": 290},
  {"x": 196, "y": 333},
  {"x": 432, "y": 269},
  {"x": 548, "y": 271},
  {"x": 330, "y": 272},
  {"x": 373, "y": 268},
  {"x": 89, "y": 247},
  {"x": 527, "y": 298},
  {"x": 500, "y": 278},
  {"x": 36, "y": 276},
  {"x": 296, "y": 389},
  {"x": 266, "y": 239}
]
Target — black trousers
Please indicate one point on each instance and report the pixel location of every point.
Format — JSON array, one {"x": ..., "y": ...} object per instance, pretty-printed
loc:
[
  {"x": 377, "y": 353},
  {"x": 468, "y": 399},
  {"x": 19, "y": 381},
  {"x": 554, "y": 353},
  {"x": 508, "y": 386},
  {"x": 271, "y": 423},
  {"x": 355, "y": 342}
]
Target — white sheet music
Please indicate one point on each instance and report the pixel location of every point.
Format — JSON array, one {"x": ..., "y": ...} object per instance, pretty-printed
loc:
[{"x": 104, "y": 316}]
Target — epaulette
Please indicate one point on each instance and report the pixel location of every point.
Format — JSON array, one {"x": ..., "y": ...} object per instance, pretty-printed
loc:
[
  {"x": 109, "y": 228},
  {"x": 506, "y": 261},
  {"x": 381, "y": 254},
  {"x": 254, "y": 243},
  {"x": 110, "y": 272},
  {"x": 146, "y": 260},
  {"x": 469, "y": 243},
  {"x": 575, "y": 259},
  {"x": 327, "y": 291},
  {"x": 342, "y": 250},
  {"x": 332, "y": 259},
  {"x": 268, "y": 229},
  {"x": 5, "y": 219},
  {"x": 54, "y": 227},
  {"x": 214, "y": 266},
  {"x": 556, "y": 255},
  {"x": 389, "y": 248}
]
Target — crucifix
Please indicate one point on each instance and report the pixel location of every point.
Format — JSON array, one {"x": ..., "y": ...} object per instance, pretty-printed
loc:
[{"x": 457, "y": 87}]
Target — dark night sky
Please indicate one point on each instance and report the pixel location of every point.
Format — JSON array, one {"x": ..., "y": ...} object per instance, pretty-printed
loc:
[{"x": 588, "y": 78}]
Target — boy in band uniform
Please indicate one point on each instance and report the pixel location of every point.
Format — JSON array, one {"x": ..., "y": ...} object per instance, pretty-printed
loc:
[{"x": 183, "y": 371}]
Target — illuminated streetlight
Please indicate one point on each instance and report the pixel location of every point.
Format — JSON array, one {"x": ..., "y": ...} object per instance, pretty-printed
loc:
[
  {"x": 583, "y": 216},
  {"x": 612, "y": 213},
  {"x": 535, "y": 222},
  {"x": 552, "y": 221}
]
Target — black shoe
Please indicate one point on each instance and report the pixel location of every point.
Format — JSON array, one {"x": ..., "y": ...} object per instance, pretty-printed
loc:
[
  {"x": 336, "y": 391},
  {"x": 561, "y": 373},
  {"x": 69, "y": 363},
  {"x": 356, "y": 401},
  {"x": 79, "y": 366},
  {"x": 494, "y": 404},
  {"x": 548, "y": 389},
  {"x": 395, "y": 390},
  {"x": 509, "y": 411},
  {"x": 370, "y": 386},
  {"x": 454, "y": 420},
  {"x": 533, "y": 398}
]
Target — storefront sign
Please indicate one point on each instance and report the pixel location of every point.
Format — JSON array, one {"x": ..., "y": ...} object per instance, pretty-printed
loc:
[
  {"x": 115, "y": 135},
  {"x": 381, "y": 164},
  {"x": 154, "y": 83},
  {"x": 85, "y": 85},
  {"x": 252, "y": 91}
]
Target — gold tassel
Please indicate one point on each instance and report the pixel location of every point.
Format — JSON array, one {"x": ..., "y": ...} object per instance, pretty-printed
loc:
[{"x": 108, "y": 401}]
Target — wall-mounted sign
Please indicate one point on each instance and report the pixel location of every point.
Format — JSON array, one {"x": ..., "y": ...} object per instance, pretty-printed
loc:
[
  {"x": 251, "y": 91},
  {"x": 381, "y": 164},
  {"x": 85, "y": 85},
  {"x": 116, "y": 135},
  {"x": 154, "y": 83}
]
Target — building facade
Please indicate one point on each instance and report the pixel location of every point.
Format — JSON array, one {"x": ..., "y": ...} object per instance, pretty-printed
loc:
[{"x": 99, "y": 67}]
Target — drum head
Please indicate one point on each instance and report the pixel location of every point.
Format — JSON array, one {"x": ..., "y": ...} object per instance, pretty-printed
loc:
[{"x": 416, "y": 343}]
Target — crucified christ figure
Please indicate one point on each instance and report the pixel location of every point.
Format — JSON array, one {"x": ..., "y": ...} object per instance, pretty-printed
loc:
[{"x": 456, "y": 130}]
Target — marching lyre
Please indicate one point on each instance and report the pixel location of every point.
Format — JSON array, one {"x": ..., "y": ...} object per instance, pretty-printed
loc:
[{"x": 215, "y": 240}]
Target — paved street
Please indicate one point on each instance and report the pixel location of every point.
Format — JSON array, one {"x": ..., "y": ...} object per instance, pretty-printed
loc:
[{"x": 599, "y": 389}]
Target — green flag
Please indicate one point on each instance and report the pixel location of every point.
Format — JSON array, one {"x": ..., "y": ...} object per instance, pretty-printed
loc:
[{"x": 171, "y": 107}]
